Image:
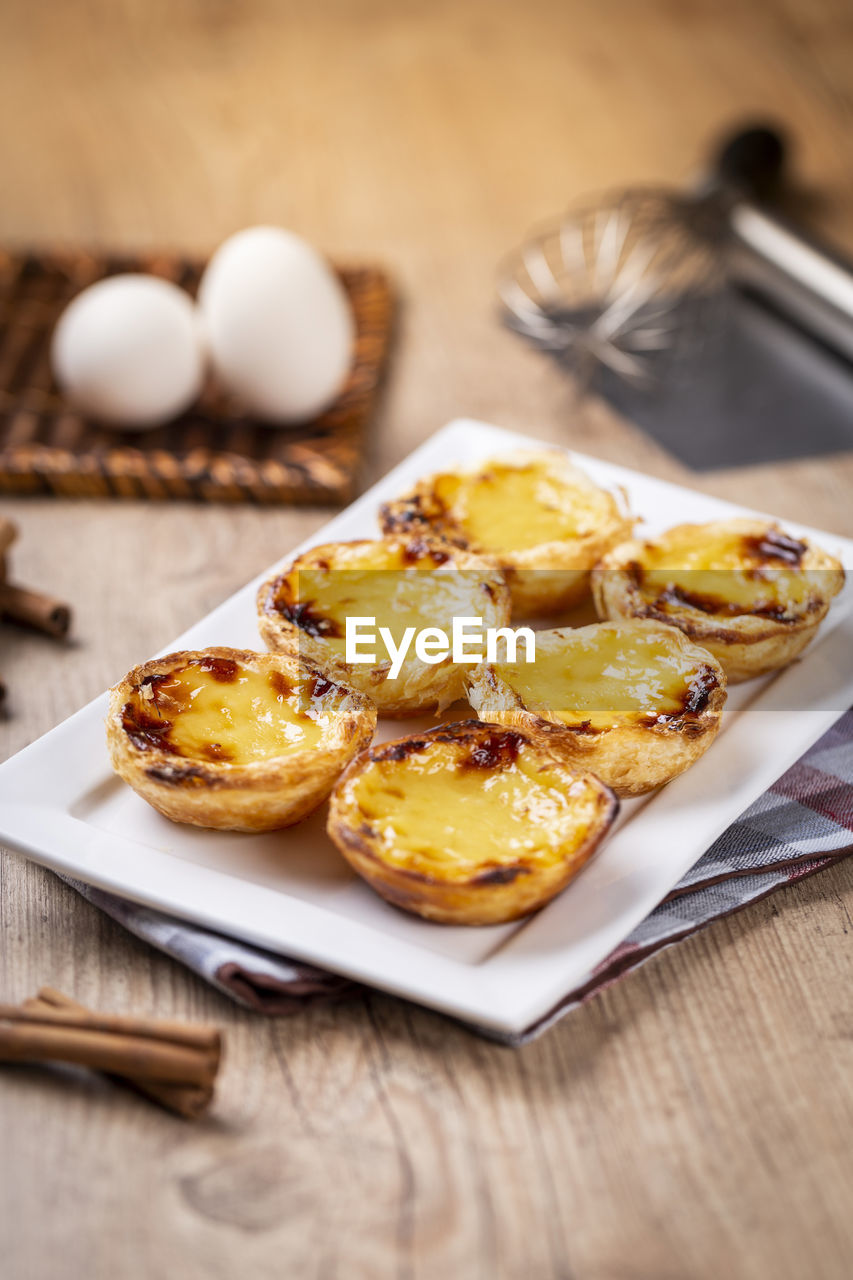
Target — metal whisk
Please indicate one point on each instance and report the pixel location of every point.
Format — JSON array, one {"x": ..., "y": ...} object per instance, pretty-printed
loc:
[
  {"x": 627, "y": 282},
  {"x": 617, "y": 282}
]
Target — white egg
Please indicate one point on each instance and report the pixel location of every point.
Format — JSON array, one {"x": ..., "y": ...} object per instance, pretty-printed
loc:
[
  {"x": 278, "y": 324},
  {"x": 129, "y": 351}
]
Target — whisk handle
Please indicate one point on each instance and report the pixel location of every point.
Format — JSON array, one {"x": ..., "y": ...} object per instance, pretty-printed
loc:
[{"x": 811, "y": 284}]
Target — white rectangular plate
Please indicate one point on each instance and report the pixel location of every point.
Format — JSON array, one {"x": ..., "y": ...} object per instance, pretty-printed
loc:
[{"x": 61, "y": 805}]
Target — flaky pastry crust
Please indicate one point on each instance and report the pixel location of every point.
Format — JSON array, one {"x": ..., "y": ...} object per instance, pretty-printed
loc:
[
  {"x": 545, "y": 578},
  {"x": 746, "y": 643},
  {"x": 292, "y": 626},
  {"x": 632, "y": 753},
  {"x": 432, "y": 858},
  {"x": 260, "y": 795}
]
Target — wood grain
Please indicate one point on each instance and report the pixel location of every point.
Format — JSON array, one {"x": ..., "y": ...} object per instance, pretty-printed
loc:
[{"x": 695, "y": 1120}]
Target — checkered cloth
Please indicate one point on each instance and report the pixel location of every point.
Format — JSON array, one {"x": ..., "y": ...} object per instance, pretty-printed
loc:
[{"x": 801, "y": 825}]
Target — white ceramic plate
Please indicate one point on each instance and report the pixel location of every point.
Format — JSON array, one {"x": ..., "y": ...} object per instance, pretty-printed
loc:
[{"x": 61, "y": 805}]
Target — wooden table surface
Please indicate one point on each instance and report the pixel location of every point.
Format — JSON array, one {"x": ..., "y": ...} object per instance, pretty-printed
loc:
[{"x": 695, "y": 1120}]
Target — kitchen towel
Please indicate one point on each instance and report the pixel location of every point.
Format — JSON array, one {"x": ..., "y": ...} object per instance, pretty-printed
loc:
[{"x": 803, "y": 823}]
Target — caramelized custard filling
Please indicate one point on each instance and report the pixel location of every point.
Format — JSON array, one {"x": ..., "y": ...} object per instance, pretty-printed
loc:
[
  {"x": 445, "y": 812},
  {"x": 220, "y": 711},
  {"x": 727, "y": 575},
  {"x": 506, "y": 508},
  {"x": 600, "y": 677},
  {"x": 399, "y": 586}
]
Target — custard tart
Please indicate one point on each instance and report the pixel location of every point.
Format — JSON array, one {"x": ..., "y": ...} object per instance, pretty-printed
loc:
[
  {"x": 234, "y": 740},
  {"x": 403, "y": 585},
  {"x": 468, "y": 823},
  {"x": 751, "y": 594},
  {"x": 543, "y": 520},
  {"x": 634, "y": 702}
]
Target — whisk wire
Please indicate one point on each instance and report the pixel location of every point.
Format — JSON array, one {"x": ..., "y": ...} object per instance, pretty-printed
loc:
[{"x": 612, "y": 284}]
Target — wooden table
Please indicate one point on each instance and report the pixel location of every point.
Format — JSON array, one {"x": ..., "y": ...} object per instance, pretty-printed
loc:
[{"x": 696, "y": 1119}]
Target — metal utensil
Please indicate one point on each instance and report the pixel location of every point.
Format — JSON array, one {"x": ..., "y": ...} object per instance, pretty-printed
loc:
[{"x": 624, "y": 282}]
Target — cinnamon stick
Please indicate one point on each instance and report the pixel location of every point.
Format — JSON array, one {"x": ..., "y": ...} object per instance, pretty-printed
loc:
[
  {"x": 8, "y": 534},
  {"x": 33, "y": 609},
  {"x": 171, "y": 1062},
  {"x": 32, "y": 1040},
  {"x": 174, "y": 1033},
  {"x": 187, "y": 1100}
]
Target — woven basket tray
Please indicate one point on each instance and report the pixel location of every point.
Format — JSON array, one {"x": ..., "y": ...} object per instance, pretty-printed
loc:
[{"x": 214, "y": 453}]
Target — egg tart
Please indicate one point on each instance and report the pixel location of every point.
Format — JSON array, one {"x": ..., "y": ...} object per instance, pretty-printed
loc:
[
  {"x": 634, "y": 702},
  {"x": 469, "y": 823},
  {"x": 745, "y": 590},
  {"x": 404, "y": 584},
  {"x": 543, "y": 520},
  {"x": 234, "y": 740}
]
